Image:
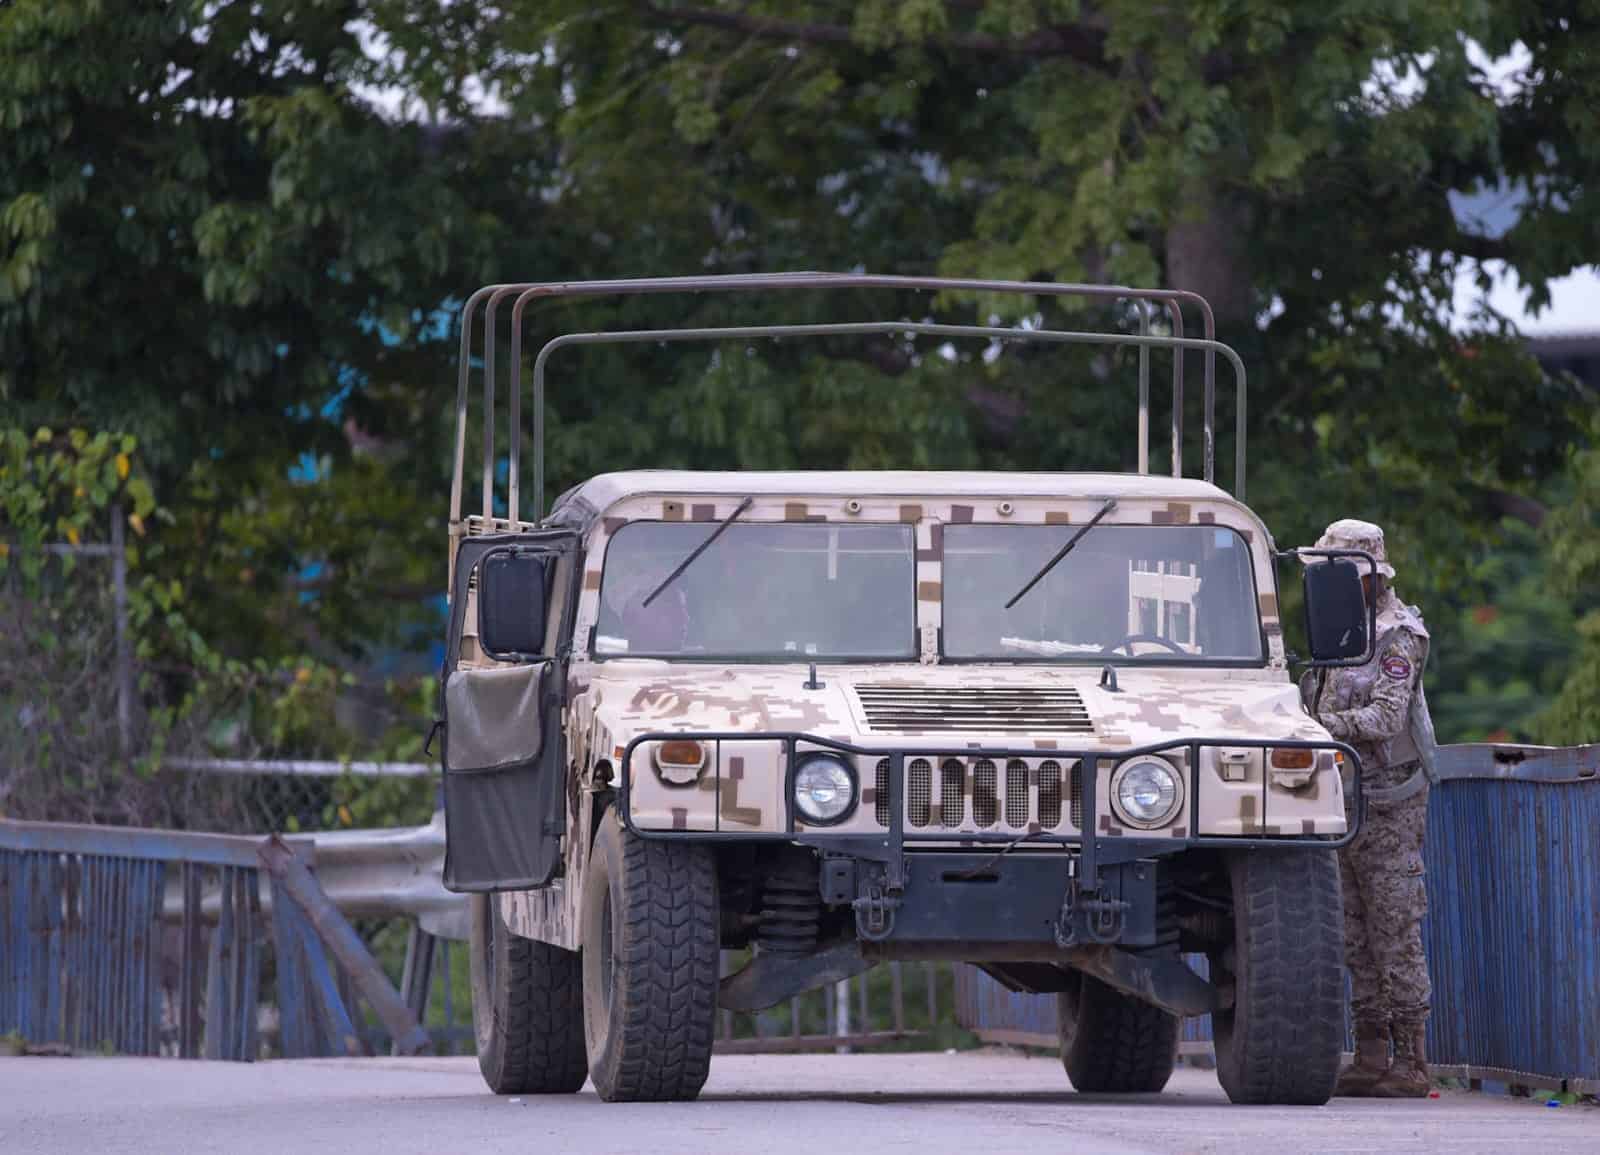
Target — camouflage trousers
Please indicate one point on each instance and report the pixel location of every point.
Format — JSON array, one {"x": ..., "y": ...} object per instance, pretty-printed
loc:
[{"x": 1384, "y": 901}]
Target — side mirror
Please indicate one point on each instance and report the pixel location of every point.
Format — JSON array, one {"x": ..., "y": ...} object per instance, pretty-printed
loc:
[
  {"x": 512, "y": 596},
  {"x": 1339, "y": 622}
]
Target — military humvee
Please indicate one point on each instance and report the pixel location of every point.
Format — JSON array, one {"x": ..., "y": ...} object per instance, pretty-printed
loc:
[{"x": 1042, "y": 723}]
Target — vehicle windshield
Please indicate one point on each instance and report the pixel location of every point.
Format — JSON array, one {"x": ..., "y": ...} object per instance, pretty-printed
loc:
[
  {"x": 796, "y": 591},
  {"x": 1124, "y": 593}
]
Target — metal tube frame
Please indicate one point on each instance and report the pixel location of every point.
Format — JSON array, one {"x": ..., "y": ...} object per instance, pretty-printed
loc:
[
  {"x": 1094, "y": 851},
  {"x": 864, "y": 328},
  {"x": 526, "y": 291}
]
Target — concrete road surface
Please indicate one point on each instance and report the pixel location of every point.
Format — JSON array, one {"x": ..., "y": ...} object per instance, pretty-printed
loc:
[{"x": 984, "y": 1103}]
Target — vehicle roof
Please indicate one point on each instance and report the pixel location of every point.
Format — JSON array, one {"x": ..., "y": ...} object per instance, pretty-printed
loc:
[{"x": 600, "y": 492}]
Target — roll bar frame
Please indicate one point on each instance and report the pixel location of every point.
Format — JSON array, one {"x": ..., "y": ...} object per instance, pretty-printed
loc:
[{"x": 526, "y": 292}]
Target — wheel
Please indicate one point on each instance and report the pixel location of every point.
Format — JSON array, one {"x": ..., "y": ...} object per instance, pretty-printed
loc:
[
  {"x": 527, "y": 1013},
  {"x": 1112, "y": 1043},
  {"x": 650, "y": 963},
  {"x": 1280, "y": 1041}
]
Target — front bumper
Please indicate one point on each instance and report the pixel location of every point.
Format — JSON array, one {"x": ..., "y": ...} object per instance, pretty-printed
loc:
[{"x": 933, "y": 883}]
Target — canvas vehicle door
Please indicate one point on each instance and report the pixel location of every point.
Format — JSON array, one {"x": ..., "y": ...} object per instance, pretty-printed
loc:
[{"x": 504, "y": 751}]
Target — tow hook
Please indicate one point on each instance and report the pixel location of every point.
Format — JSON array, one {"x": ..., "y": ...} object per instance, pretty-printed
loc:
[
  {"x": 1089, "y": 917},
  {"x": 875, "y": 914}
]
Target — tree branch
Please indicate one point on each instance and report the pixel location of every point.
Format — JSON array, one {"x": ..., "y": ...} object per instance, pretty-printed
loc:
[
  {"x": 1524, "y": 509},
  {"x": 1073, "y": 41},
  {"x": 1478, "y": 247}
]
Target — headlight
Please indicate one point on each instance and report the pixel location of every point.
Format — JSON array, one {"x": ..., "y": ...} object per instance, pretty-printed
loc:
[
  {"x": 824, "y": 789},
  {"x": 1146, "y": 792}
]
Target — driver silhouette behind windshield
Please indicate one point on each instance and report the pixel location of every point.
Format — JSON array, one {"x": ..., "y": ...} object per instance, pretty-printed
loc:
[{"x": 662, "y": 627}]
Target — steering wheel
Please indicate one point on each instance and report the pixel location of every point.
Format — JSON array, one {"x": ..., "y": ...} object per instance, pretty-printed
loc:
[{"x": 1153, "y": 639}]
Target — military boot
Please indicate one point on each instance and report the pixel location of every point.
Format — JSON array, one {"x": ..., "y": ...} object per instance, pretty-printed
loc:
[
  {"x": 1372, "y": 1060},
  {"x": 1408, "y": 1077}
]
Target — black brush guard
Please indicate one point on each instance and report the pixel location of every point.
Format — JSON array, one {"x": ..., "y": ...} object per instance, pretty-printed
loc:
[{"x": 1101, "y": 874}]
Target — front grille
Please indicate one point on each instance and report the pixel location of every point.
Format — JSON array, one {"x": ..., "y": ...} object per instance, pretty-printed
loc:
[
  {"x": 1049, "y": 793},
  {"x": 952, "y": 808},
  {"x": 919, "y": 791},
  {"x": 997, "y": 709},
  {"x": 985, "y": 803},
  {"x": 1018, "y": 805},
  {"x": 961, "y": 794}
]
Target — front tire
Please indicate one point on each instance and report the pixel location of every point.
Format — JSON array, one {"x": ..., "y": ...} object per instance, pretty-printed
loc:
[
  {"x": 527, "y": 1014},
  {"x": 1112, "y": 1043},
  {"x": 650, "y": 965},
  {"x": 1281, "y": 1040}
]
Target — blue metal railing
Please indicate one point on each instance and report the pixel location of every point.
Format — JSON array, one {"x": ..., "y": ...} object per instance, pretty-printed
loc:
[
  {"x": 75, "y": 960},
  {"x": 152, "y": 942},
  {"x": 83, "y": 945}
]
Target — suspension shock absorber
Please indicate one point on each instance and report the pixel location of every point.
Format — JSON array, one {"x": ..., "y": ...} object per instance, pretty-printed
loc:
[{"x": 791, "y": 908}]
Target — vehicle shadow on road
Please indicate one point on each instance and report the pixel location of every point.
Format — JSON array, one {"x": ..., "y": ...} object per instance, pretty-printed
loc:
[{"x": 998, "y": 1097}]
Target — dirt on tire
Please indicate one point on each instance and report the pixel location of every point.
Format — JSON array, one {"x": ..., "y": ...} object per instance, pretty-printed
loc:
[
  {"x": 650, "y": 965},
  {"x": 527, "y": 1009},
  {"x": 1112, "y": 1043},
  {"x": 1281, "y": 1040}
]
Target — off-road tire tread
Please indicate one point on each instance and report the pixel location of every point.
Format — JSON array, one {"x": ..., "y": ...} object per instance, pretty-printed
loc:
[
  {"x": 1289, "y": 985},
  {"x": 1118, "y": 1045},
  {"x": 537, "y": 1046},
  {"x": 668, "y": 965}
]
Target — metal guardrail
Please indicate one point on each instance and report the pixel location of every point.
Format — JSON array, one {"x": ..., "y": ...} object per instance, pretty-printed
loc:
[
  {"x": 88, "y": 958},
  {"x": 1512, "y": 938},
  {"x": 83, "y": 949},
  {"x": 396, "y": 873}
]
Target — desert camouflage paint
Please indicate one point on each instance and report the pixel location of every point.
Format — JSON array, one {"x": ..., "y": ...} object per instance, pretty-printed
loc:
[{"x": 614, "y": 699}]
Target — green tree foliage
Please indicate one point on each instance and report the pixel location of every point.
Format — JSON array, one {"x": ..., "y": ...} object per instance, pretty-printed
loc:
[
  {"x": 66, "y": 752},
  {"x": 209, "y": 241},
  {"x": 211, "y": 236},
  {"x": 1574, "y": 536}
]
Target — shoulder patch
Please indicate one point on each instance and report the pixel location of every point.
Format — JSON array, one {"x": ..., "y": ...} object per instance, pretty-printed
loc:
[{"x": 1396, "y": 666}]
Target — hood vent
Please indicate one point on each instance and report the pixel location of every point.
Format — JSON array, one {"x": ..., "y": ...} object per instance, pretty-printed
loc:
[{"x": 1007, "y": 709}]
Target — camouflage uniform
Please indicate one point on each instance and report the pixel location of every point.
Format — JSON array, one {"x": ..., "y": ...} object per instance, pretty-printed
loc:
[{"x": 1385, "y": 898}]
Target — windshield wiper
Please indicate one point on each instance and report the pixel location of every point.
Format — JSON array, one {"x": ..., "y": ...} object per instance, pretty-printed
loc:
[
  {"x": 1061, "y": 553},
  {"x": 700, "y": 549}
]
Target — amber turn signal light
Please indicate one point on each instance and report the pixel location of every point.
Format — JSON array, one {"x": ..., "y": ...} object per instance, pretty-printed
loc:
[
  {"x": 680, "y": 752},
  {"x": 1290, "y": 758}
]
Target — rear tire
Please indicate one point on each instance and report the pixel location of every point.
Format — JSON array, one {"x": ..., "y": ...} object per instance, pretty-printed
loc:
[
  {"x": 527, "y": 1012},
  {"x": 650, "y": 965},
  {"x": 1281, "y": 1040},
  {"x": 1112, "y": 1043}
]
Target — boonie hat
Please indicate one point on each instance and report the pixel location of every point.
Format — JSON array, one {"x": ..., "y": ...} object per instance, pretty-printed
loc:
[{"x": 1348, "y": 533}]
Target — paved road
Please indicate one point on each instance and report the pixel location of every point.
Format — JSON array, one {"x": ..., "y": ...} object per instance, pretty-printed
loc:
[{"x": 984, "y": 1103}]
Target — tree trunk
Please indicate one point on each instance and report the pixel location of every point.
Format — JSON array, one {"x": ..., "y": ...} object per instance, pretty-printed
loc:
[{"x": 1207, "y": 251}]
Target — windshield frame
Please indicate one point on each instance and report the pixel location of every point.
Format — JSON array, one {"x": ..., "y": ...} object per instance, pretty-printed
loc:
[
  {"x": 1161, "y": 658},
  {"x": 911, "y": 656}
]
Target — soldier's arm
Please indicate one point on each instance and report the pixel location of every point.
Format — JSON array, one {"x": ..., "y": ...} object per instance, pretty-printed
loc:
[{"x": 1385, "y": 714}]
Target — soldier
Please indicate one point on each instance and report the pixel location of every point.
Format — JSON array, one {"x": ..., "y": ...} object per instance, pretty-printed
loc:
[{"x": 1375, "y": 708}]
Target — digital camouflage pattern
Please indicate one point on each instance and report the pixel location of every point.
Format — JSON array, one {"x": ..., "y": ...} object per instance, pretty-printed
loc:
[
  {"x": 1370, "y": 706},
  {"x": 1350, "y": 533},
  {"x": 613, "y": 701},
  {"x": 1385, "y": 897}
]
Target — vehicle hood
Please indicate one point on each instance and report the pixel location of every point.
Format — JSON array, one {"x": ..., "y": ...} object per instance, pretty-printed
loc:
[{"x": 909, "y": 706}]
